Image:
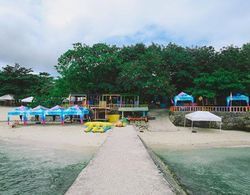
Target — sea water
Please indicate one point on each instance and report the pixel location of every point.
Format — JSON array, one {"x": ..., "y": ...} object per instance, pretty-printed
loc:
[
  {"x": 27, "y": 169},
  {"x": 210, "y": 171}
]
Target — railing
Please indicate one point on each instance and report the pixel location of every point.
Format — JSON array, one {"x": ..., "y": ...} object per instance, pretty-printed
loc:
[
  {"x": 210, "y": 108},
  {"x": 117, "y": 106}
]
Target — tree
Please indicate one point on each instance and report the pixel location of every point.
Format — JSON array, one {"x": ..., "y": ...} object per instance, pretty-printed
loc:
[
  {"x": 22, "y": 82},
  {"x": 16, "y": 80},
  {"x": 218, "y": 84},
  {"x": 144, "y": 71},
  {"x": 94, "y": 68}
]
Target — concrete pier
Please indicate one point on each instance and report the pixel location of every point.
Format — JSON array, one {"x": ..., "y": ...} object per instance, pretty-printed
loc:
[{"x": 121, "y": 166}]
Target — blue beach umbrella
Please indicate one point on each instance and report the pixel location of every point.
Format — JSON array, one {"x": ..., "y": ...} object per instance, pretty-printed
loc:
[
  {"x": 237, "y": 97},
  {"x": 183, "y": 97},
  {"x": 56, "y": 111},
  {"x": 20, "y": 111},
  {"x": 39, "y": 111},
  {"x": 76, "y": 110}
]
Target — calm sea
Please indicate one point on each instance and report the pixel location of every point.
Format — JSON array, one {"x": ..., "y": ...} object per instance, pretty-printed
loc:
[
  {"x": 210, "y": 171},
  {"x": 26, "y": 169}
]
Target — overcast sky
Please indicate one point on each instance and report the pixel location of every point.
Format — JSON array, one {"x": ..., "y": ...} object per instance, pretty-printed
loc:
[{"x": 35, "y": 33}]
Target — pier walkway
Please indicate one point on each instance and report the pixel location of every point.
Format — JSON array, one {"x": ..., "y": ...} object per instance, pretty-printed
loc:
[{"x": 121, "y": 166}]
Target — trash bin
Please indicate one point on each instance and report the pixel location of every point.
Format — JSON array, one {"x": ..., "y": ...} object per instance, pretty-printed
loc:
[{"x": 112, "y": 118}]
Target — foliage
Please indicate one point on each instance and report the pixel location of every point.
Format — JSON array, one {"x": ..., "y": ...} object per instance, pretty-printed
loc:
[
  {"x": 22, "y": 82},
  {"x": 150, "y": 71}
]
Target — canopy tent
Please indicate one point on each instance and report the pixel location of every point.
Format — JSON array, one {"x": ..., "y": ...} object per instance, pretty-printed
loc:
[
  {"x": 183, "y": 97},
  {"x": 56, "y": 111},
  {"x": 76, "y": 111},
  {"x": 202, "y": 116},
  {"x": 27, "y": 100},
  {"x": 19, "y": 111},
  {"x": 39, "y": 111},
  {"x": 237, "y": 97}
]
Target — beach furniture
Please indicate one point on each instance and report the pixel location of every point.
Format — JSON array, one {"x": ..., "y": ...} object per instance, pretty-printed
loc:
[
  {"x": 183, "y": 97},
  {"x": 238, "y": 97},
  {"x": 202, "y": 116},
  {"x": 21, "y": 111},
  {"x": 56, "y": 111},
  {"x": 39, "y": 111},
  {"x": 76, "y": 111}
]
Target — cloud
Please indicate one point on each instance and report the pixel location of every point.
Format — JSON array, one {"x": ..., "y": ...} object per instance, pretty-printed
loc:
[{"x": 36, "y": 33}]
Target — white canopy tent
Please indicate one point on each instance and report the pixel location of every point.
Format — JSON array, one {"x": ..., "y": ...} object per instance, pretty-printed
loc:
[
  {"x": 202, "y": 116},
  {"x": 7, "y": 97},
  {"x": 28, "y": 99}
]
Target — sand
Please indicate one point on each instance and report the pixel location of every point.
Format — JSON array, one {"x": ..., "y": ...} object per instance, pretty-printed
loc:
[
  {"x": 67, "y": 136},
  {"x": 163, "y": 134},
  {"x": 4, "y": 113},
  {"x": 161, "y": 122},
  {"x": 184, "y": 138}
]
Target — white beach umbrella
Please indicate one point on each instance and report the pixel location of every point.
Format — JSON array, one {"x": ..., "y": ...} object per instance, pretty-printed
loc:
[{"x": 28, "y": 99}]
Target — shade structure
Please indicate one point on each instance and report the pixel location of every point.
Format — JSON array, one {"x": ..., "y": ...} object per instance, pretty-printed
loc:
[
  {"x": 202, "y": 116},
  {"x": 20, "y": 111},
  {"x": 7, "y": 97},
  {"x": 27, "y": 99},
  {"x": 39, "y": 111},
  {"x": 237, "y": 97},
  {"x": 65, "y": 100},
  {"x": 183, "y": 97},
  {"x": 56, "y": 111},
  {"x": 76, "y": 111}
]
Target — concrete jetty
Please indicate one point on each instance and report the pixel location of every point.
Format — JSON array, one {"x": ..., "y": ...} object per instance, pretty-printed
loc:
[{"x": 121, "y": 166}]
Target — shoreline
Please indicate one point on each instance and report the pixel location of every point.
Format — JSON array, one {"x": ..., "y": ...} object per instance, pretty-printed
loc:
[
  {"x": 157, "y": 142},
  {"x": 184, "y": 139},
  {"x": 52, "y": 135},
  {"x": 163, "y": 136},
  {"x": 168, "y": 175}
]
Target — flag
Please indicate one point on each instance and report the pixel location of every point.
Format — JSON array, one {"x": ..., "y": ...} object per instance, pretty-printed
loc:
[{"x": 231, "y": 98}]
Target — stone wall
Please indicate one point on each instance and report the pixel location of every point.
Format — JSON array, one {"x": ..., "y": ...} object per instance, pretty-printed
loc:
[{"x": 230, "y": 120}]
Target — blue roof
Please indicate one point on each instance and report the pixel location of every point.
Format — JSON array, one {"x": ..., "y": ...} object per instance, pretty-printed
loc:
[
  {"x": 76, "y": 110},
  {"x": 22, "y": 110},
  {"x": 56, "y": 110},
  {"x": 39, "y": 110},
  {"x": 237, "y": 97},
  {"x": 183, "y": 97}
]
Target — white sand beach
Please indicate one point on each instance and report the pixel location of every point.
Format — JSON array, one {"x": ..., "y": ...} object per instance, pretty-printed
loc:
[
  {"x": 52, "y": 135},
  {"x": 4, "y": 112},
  {"x": 162, "y": 133},
  {"x": 184, "y": 138},
  {"x": 64, "y": 137}
]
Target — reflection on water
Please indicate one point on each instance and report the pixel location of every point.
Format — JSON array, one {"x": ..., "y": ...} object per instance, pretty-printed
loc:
[
  {"x": 211, "y": 171},
  {"x": 36, "y": 170}
]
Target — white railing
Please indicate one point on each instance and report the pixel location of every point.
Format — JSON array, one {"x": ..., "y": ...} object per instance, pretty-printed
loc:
[{"x": 210, "y": 108}]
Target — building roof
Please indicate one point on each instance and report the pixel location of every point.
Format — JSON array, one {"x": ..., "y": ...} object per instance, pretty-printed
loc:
[{"x": 7, "y": 97}]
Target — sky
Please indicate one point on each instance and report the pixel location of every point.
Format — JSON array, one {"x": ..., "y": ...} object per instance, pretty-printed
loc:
[{"x": 34, "y": 33}]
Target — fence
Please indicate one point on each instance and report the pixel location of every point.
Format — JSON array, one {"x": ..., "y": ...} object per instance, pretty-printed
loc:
[
  {"x": 210, "y": 108},
  {"x": 116, "y": 106}
]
